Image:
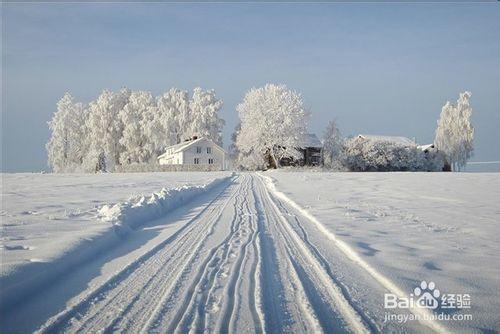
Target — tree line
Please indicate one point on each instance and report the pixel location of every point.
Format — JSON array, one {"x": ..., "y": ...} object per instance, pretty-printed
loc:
[
  {"x": 273, "y": 121},
  {"x": 128, "y": 127}
]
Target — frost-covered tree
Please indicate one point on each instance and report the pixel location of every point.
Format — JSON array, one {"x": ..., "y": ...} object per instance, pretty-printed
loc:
[
  {"x": 174, "y": 116},
  {"x": 125, "y": 127},
  {"x": 105, "y": 130},
  {"x": 273, "y": 124},
  {"x": 455, "y": 133},
  {"x": 333, "y": 147},
  {"x": 67, "y": 145},
  {"x": 134, "y": 116},
  {"x": 204, "y": 120},
  {"x": 233, "y": 151}
]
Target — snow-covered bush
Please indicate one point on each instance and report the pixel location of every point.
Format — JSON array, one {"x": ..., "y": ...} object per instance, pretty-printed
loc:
[
  {"x": 455, "y": 133},
  {"x": 368, "y": 155},
  {"x": 333, "y": 150},
  {"x": 434, "y": 161},
  {"x": 273, "y": 124},
  {"x": 128, "y": 127}
]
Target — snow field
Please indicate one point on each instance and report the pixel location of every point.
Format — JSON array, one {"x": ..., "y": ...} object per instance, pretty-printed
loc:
[
  {"x": 40, "y": 248},
  {"x": 408, "y": 227},
  {"x": 282, "y": 252}
]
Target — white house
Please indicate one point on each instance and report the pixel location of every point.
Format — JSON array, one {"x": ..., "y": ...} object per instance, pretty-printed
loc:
[{"x": 198, "y": 151}]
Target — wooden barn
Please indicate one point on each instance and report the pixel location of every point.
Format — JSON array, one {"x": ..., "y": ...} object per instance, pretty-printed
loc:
[{"x": 311, "y": 153}]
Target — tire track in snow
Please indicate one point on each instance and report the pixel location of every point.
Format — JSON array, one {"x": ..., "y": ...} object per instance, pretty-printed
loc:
[
  {"x": 229, "y": 311},
  {"x": 273, "y": 302},
  {"x": 193, "y": 311},
  {"x": 58, "y": 322},
  {"x": 137, "y": 311},
  {"x": 245, "y": 262},
  {"x": 312, "y": 284},
  {"x": 353, "y": 256},
  {"x": 326, "y": 265},
  {"x": 165, "y": 286}
]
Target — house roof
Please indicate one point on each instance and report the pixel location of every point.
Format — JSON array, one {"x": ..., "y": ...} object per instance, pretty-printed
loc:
[
  {"x": 426, "y": 147},
  {"x": 184, "y": 145},
  {"x": 311, "y": 140},
  {"x": 391, "y": 139}
]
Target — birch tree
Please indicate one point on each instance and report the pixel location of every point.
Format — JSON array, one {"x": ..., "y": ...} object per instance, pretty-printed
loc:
[
  {"x": 333, "y": 146},
  {"x": 204, "y": 119},
  {"x": 105, "y": 130},
  {"x": 455, "y": 133},
  {"x": 134, "y": 116},
  {"x": 67, "y": 145}
]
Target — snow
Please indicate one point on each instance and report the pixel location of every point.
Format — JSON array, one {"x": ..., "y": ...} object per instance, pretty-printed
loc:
[
  {"x": 411, "y": 227},
  {"x": 260, "y": 252},
  {"x": 47, "y": 215},
  {"x": 388, "y": 139},
  {"x": 179, "y": 147},
  {"x": 52, "y": 223},
  {"x": 142, "y": 209}
]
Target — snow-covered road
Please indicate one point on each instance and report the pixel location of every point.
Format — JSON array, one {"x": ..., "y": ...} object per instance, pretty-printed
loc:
[
  {"x": 242, "y": 258},
  {"x": 205, "y": 276}
]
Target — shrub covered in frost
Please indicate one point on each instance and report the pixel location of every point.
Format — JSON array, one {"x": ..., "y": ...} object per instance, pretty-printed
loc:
[{"x": 366, "y": 155}]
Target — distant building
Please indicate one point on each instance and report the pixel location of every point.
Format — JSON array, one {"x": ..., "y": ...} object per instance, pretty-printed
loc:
[
  {"x": 310, "y": 148},
  {"x": 198, "y": 151},
  {"x": 403, "y": 141},
  {"x": 430, "y": 150}
]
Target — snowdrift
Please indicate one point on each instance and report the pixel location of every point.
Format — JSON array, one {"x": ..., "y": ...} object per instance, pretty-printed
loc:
[
  {"x": 124, "y": 217},
  {"x": 140, "y": 209}
]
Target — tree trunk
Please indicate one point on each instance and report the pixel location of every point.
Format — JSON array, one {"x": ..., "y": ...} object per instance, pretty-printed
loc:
[{"x": 275, "y": 161}]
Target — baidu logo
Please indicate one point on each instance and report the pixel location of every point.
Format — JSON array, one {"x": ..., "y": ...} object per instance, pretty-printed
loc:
[{"x": 427, "y": 295}]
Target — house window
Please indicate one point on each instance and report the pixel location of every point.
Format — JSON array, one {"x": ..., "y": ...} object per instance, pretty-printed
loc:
[
  {"x": 210, "y": 161},
  {"x": 198, "y": 149},
  {"x": 209, "y": 150},
  {"x": 196, "y": 161}
]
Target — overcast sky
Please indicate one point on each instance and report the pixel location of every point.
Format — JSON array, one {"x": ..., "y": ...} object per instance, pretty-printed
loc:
[{"x": 375, "y": 68}]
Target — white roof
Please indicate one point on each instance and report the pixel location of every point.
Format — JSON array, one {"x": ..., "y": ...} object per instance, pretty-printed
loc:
[
  {"x": 311, "y": 140},
  {"x": 426, "y": 147},
  {"x": 186, "y": 144},
  {"x": 391, "y": 139}
]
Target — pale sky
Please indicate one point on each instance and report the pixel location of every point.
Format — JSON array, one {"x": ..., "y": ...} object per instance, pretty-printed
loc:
[{"x": 376, "y": 68}]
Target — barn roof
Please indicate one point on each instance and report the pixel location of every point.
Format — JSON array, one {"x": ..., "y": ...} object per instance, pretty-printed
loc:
[{"x": 311, "y": 140}]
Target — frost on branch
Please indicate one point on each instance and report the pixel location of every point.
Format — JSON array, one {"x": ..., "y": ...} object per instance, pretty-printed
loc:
[
  {"x": 333, "y": 147},
  {"x": 67, "y": 146},
  {"x": 455, "y": 133}
]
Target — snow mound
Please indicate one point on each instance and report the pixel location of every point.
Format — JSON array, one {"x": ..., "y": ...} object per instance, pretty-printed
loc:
[{"x": 140, "y": 209}]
